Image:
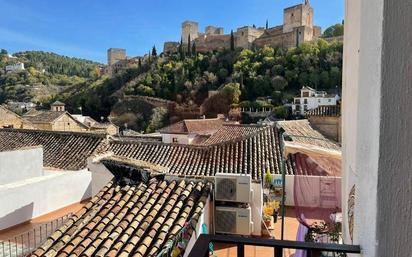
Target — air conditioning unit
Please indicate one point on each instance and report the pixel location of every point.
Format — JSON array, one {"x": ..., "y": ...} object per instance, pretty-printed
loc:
[
  {"x": 233, "y": 187},
  {"x": 233, "y": 220}
]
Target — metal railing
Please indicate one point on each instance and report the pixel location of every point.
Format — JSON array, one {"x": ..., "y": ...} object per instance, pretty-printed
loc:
[
  {"x": 201, "y": 247},
  {"x": 25, "y": 243}
]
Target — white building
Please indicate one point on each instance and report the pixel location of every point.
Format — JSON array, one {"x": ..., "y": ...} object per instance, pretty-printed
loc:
[
  {"x": 29, "y": 190},
  {"x": 15, "y": 67},
  {"x": 310, "y": 99}
]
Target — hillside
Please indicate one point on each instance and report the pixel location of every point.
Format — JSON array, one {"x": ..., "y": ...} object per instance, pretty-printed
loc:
[
  {"x": 242, "y": 77},
  {"x": 45, "y": 75}
]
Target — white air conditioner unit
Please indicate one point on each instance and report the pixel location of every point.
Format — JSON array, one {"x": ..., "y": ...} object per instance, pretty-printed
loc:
[
  {"x": 233, "y": 187},
  {"x": 233, "y": 220}
]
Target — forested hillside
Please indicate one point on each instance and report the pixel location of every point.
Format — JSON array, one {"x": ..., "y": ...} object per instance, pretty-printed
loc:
[
  {"x": 45, "y": 75},
  {"x": 242, "y": 77}
]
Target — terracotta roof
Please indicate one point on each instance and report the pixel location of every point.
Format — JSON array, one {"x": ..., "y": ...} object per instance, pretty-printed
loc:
[
  {"x": 62, "y": 150},
  {"x": 195, "y": 126},
  {"x": 232, "y": 132},
  {"x": 325, "y": 110},
  {"x": 130, "y": 220},
  {"x": 251, "y": 154},
  {"x": 300, "y": 131},
  {"x": 43, "y": 116}
]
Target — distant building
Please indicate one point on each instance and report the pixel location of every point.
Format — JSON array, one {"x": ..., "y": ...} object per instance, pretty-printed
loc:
[
  {"x": 9, "y": 119},
  {"x": 116, "y": 60},
  {"x": 57, "y": 119},
  {"x": 310, "y": 99},
  {"x": 15, "y": 67},
  {"x": 95, "y": 126},
  {"x": 191, "y": 131},
  {"x": 297, "y": 28}
]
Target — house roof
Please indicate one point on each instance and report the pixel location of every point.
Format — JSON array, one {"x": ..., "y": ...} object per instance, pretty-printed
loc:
[
  {"x": 300, "y": 131},
  {"x": 248, "y": 154},
  {"x": 43, "y": 116},
  {"x": 325, "y": 110},
  {"x": 194, "y": 126},
  {"x": 232, "y": 132},
  {"x": 139, "y": 219},
  {"x": 62, "y": 150}
]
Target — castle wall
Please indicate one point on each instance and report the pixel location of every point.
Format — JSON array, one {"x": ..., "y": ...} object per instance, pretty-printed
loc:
[
  {"x": 285, "y": 40},
  {"x": 190, "y": 28},
  {"x": 212, "y": 42},
  {"x": 297, "y": 16}
]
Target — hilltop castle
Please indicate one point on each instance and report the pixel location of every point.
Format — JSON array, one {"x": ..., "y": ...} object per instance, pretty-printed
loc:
[{"x": 297, "y": 28}]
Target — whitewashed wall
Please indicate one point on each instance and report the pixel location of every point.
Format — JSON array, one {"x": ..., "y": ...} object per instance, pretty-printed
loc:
[
  {"x": 26, "y": 199},
  {"x": 20, "y": 164}
]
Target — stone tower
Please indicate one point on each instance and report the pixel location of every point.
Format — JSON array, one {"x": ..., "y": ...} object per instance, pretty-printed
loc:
[
  {"x": 300, "y": 15},
  {"x": 190, "y": 28},
  {"x": 114, "y": 55}
]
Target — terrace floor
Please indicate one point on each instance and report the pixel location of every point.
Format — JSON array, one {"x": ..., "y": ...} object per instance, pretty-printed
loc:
[
  {"x": 291, "y": 228},
  {"x": 31, "y": 224}
]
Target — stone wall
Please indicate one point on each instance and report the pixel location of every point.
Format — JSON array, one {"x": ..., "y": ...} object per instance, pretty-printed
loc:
[
  {"x": 10, "y": 119},
  {"x": 328, "y": 126}
]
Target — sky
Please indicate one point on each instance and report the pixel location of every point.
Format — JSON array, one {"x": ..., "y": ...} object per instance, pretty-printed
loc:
[{"x": 87, "y": 28}]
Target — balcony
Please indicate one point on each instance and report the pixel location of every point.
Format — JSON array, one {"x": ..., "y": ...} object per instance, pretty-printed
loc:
[{"x": 202, "y": 246}]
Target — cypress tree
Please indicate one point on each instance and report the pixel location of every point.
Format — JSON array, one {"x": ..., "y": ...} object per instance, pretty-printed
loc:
[
  {"x": 154, "y": 52},
  {"x": 267, "y": 24},
  {"x": 181, "y": 52},
  {"x": 140, "y": 62},
  {"x": 194, "y": 48},
  {"x": 188, "y": 46},
  {"x": 232, "y": 41}
]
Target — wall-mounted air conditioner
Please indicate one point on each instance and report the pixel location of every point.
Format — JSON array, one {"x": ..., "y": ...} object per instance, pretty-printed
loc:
[
  {"x": 233, "y": 220},
  {"x": 233, "y": 187}
]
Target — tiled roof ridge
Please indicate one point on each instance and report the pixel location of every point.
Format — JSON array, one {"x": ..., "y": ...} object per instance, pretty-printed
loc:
[
  {"x": 39, "y": 131},
  {"x": 202, "y": 147}
]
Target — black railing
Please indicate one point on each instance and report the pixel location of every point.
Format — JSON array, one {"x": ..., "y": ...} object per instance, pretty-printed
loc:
[
  {"x": 201, "y": 247},
  {"x": 25, "y": 243}
]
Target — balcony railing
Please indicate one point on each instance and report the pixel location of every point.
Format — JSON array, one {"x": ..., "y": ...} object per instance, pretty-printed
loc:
[
  {"x": 25, "y": 243},
  {"x": 201, "y": 247}
]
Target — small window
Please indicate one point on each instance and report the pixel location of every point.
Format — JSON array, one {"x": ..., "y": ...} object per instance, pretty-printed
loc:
[
  {"x": 330, "y": 100},
  {"x": 68, "y": 123},
  {"x": 305, "y": 101},
  {"x": 174, "y": 140},
  {"x": 292, "y": 15},
  {"x": 243, "y": 33},
  {"x": 318, "y": 100}
]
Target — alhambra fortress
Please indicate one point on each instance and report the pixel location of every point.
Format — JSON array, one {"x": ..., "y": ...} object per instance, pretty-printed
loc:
[{"x": 297, "y": 28}]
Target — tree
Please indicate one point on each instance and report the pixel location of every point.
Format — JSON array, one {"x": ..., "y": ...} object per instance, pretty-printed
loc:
[
  {"x": 232, "y": 91},
  {"x": 267, "y": 24},
  {"x": 139, "y": 62},
  {"x": 194, "y": 48},
  {"x": 181, "y": 51},
  {"x": 279, "y": 83},
  {"x": 188, "y": 46},
  {"x": 334, "y": 31},
  {"x": 157, "y": 120},
  {"x": 154, "y": 52},
  {"x": 232, "y": 41}
]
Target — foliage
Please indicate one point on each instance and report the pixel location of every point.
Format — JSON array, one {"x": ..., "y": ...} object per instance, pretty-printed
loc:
[
  {"x": 232, "y": 92},
  {"x": 334, "y": 31},
  {"x": 157, "y": 120}
]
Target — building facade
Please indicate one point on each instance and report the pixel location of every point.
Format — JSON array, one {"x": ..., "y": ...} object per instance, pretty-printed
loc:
[
  {"x": 297, "y": 28},
  {"x": 15, "y": 67},
  {"x": 310, "y": 99}
]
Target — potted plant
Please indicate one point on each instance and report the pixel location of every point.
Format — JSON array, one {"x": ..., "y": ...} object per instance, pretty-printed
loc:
[{"x": 267, "y": 219}]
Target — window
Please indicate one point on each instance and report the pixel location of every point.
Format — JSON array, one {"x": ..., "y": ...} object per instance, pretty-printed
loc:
[
  {"x": 305, "y": 101},
  {"x": 305, "y": 107},
  {"x": 329, "y": 100},
  {"x": 297, "y": 101},
  {"x": 318, "y": 100},
  {"x": 305, "y": 94},
  {"x": 174, "y": 140},
  {"x": 68, "y": 123}
]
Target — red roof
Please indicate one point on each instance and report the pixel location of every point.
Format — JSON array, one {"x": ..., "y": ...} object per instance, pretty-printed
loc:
[{"x": 195, "y": 126}]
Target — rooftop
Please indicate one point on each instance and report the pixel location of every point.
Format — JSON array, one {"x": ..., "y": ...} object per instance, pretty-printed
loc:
[
  {"x": 194, "y": 126},
  {"x": 137, "y": 219}
]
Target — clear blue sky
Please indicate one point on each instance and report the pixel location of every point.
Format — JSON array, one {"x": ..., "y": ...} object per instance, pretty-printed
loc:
[{"x": 87, "y": 28}]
